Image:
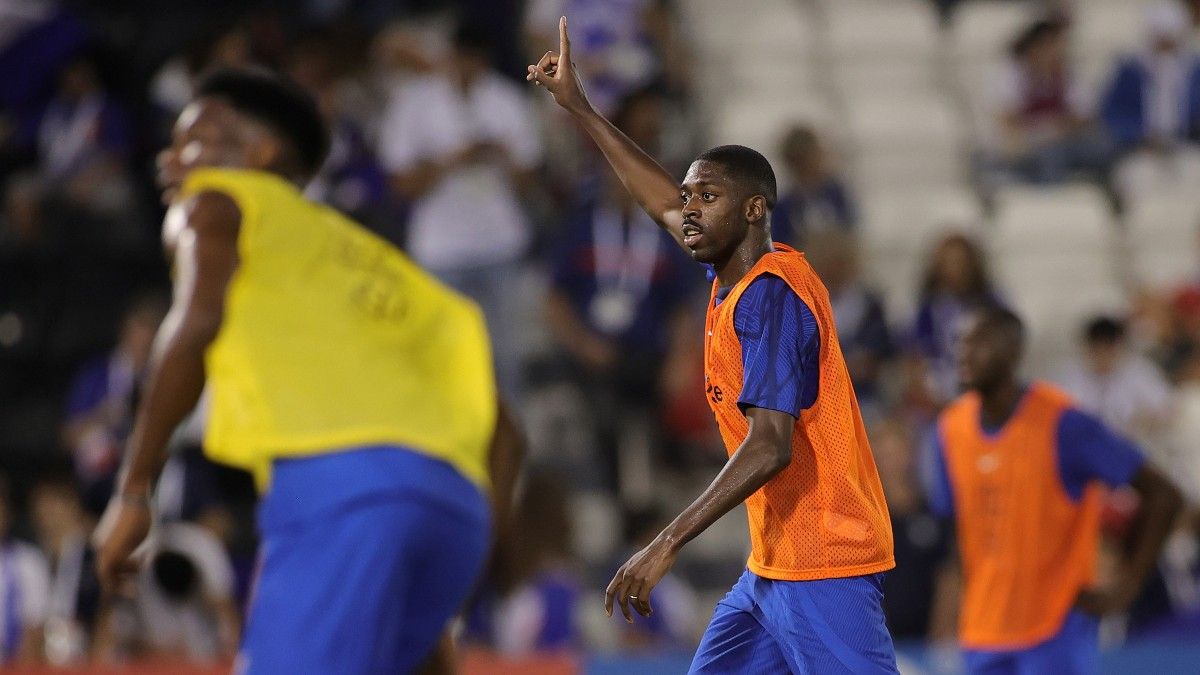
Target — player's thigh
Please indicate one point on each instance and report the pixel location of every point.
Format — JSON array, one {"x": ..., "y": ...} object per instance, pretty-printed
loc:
[
  {"x": 1075, "y": 650},
  {"x": 448, "y": 560},
  {"x": 831, "y": 625},
  {"x": 735, "y": 642},
  {"x": 333, "y": 594}
]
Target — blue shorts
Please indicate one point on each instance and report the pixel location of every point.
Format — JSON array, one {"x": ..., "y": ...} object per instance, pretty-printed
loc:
[
  {"x": 366, "y": 554},
  {"x": 803, "y": 627},
  {"x": 1074, "y": 650}
]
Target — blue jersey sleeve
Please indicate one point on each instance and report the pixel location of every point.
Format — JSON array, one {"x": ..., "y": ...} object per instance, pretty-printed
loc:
[
  {"x": 1088, "y": 450},
  {"x": 780, "y": 347},
  {"x": 939, "y": 493}
]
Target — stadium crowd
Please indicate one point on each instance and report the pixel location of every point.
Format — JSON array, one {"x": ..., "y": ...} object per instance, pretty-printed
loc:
[{"x": 596, "y": 315}]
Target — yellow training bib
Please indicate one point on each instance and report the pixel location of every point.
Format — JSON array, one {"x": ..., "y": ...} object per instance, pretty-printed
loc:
[{"x": 332, "y": 339}]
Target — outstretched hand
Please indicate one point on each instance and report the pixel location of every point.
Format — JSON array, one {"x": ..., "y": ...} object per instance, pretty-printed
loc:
[
  {"x": 632, "y": 583},
  {"x": 556, "y": 73}
]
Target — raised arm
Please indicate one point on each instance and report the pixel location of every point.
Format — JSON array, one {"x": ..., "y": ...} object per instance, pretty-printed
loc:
[
  {"x": 205, "y": 260},
  {"x": 766, "y": 451},
  {"x": 650, "y": 184}
]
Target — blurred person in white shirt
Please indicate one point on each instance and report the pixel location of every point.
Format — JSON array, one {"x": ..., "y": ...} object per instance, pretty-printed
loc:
[
  {"x": 24, "y": 592},
  {"x": 1044, "y": 131},
  {"x": 62, "y": 527},
  {"x": 1123, "y": 388},
  {"x": 181, "y": 605},
  {"x": 460, "y": 145}
]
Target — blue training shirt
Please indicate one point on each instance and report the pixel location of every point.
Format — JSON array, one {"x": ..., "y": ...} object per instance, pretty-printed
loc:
[
  {"x": 1087, "y": 451},
  {"x": 780, "y": 347}
]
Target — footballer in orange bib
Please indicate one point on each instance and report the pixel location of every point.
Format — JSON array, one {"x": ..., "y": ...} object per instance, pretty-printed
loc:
[
  {"x": 1022, "y": 471},
  {"x": 810, "y": 600}
]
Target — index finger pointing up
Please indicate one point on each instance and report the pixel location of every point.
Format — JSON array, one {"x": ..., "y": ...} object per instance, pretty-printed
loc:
[{"x": 564, "y": 43}]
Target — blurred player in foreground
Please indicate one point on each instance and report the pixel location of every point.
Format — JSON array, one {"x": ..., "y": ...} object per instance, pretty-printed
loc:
[
  {"x": 1021, "y": 470},
  {"x": 358, "y": 390},
  {"x": 810, "y": 601}
]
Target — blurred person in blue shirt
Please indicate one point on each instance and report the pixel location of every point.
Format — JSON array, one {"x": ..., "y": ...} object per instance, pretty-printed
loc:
[
  {"x": 815, "y": 199},
  {"x": 955, "y": 284},
  {"x": 528, "y": 604},
  {"x": 1153, "y": 99},
  {"x": 84, "y": 140},
  {"x": 858, "y": 313},
  {"x": 619, "y": 285},
  {"x": 101, "y": 401}
]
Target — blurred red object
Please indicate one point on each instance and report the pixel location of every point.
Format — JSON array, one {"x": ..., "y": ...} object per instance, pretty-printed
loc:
[
  {"x": 1117, "y": 512},
  {"x": 486, "y": 662}
]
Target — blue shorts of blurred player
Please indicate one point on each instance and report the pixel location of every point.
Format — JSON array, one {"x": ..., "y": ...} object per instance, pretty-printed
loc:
[
  {"x": 365, "y": 555},
  {"x": 823, "y": 627},
  {"x": 1075, "y": 650}
]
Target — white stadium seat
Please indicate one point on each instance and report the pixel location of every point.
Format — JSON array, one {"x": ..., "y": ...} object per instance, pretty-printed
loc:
[
  {"x": 1067, "y": 218},
  {"x": 983, "y": 29},
  {"x": 1163, "y": 237},
  {"x": 888, "y": 28}
]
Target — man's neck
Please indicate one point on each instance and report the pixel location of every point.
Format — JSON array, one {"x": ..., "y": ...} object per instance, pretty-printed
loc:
[
  {"x": 744, "y": 257},
  {"x": 998, "y": 403}
]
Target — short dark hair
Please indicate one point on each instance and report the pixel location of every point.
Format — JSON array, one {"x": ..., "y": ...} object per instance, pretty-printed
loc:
[
  {"x": 277, "y": 102},
  {"x": 1104, "y": 330},
  {"x": 471, "y": 35},
  {"x": 1003, "y": 320},
  {"x": 1035, "y": 33},
  {"x": 747, "y": 167}
]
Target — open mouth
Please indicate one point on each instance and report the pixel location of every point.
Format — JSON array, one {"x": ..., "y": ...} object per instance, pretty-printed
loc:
[{"x": 691, "y": 234}]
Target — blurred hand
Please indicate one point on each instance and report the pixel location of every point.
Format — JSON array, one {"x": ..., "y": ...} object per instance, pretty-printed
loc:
[
  {"x": 1113, "y": 599},
  {"x": 556, "y": 73},
  {"x": 638, "y": 577},
  {"x": 122, "y": 528}
]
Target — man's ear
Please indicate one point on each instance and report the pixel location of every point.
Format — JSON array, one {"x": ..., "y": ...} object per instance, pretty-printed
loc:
[
  {"x": 756, "y": 209},
  {"x": 265, "y": 152}
]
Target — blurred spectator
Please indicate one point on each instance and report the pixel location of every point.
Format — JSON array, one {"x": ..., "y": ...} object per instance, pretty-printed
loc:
[
  {"x": 1153, "y": 100},
  {"x": 619, "y": 45},
  {"x": 617, "y": 306},
  {"x": 1045, "y": 132},
  {"x": 858, "y": 313},
  {"x": 814, "y": 199},
  {"x": 101, "y": 402},
  {"x": 533, "y": 609},
  {"x": 1121, "y": 387},
  {"x": 182, "y": 607},
  {"x": 84, "y": 140},
  {"x": 171, "y": 88},
  {"x": 24, "y": 591},
  {"x": 62, "y": 528},
  {"x": 956, "y": 283},
  {"x": 460, "y": 144},
  {"x": 673, "y": 624},
  {"x": 921, "y": 540},
  {"x": 350, "y": 180},
  {"x": 1180, "y": 341}
]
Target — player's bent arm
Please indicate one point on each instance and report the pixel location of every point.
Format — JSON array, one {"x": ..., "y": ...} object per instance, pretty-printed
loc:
[
  {"x": 1161, "y": 502},
  {"x": 504, "y": 463},
  {"x": 766, "y": 451},
  {"x": 205, "y": 259}
]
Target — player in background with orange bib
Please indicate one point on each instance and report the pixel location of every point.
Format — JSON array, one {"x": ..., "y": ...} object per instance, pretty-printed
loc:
[
  {"x": 811, "y": 599},
  {"x": 1022, "y": 472}
]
